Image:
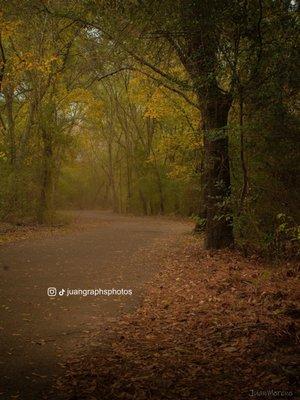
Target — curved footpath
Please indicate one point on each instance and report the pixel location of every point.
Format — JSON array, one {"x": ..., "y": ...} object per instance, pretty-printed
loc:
[{"x": 38, "y": 331}]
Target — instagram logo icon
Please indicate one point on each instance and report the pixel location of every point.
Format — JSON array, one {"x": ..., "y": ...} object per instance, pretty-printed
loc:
[{"x": 51, "y": 291}]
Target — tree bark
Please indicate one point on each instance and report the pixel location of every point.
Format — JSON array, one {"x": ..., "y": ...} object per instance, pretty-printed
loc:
[
  {"x": 47, "y": 178},
  {"x": 216, "y": 173},
  {"x": 143, "y": 201},
  {"x": 9, "y": 99},
  {"x": 199, "y": 55},
  {"x": 112, "y": 183}
]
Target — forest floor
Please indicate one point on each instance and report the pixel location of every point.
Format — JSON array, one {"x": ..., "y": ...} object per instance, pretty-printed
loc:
[
  {"x": 212, "y": 326},
  {"x": 201, "y": 325}
]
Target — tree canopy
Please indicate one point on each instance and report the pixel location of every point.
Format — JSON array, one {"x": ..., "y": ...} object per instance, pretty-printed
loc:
[{"x": 154, "y": 107}]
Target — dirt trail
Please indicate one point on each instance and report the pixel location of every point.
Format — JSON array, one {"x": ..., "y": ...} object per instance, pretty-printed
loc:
[{"x": 37, "y": 331}]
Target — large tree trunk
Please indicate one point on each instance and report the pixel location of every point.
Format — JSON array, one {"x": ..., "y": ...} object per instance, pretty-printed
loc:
[
  {"x": 216, "y": 173},
  {"x": 201, "y": 20}
]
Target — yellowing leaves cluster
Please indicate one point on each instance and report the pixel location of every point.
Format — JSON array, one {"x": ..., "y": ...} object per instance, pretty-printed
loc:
[
  {"x": 158, "y": 105},
  {"x": 8, "y": 28}
]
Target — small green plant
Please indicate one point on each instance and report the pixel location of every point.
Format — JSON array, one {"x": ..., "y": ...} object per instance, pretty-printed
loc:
[
  {"x": 286, "y": 236},
  {"x": 200, "y": 223}
]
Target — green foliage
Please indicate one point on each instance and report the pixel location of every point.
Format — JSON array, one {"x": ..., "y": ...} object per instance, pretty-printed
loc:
[
  {"x": 128, "y": 116},
  {"x": 286, "y": 239}
]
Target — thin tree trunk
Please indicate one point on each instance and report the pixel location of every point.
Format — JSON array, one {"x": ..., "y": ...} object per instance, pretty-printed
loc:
[
  {"x": 143, "y": 201},
  {"x": 160, "y": 191},
  {"x": 14, "y": 196},
  {"x": 11, "y": 126},
  {"x": 242, "y": 154},
  {"x": 47, "y": 178},
  {"x": 112, "y": 178},
  {"x": 128, "y": 174}
]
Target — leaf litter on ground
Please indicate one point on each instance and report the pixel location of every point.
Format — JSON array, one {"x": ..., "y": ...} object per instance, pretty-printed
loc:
[{"x": 212, "y": 325}]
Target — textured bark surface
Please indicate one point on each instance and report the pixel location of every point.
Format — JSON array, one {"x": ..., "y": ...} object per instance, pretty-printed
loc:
[
  {"x": 200, "y": 58},
  {"x": 216, "y": 174},
  {"x": 47, "y": 178}
]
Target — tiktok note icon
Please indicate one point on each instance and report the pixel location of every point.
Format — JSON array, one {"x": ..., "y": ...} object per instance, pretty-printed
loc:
[{"x": 61, "y": 292}]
